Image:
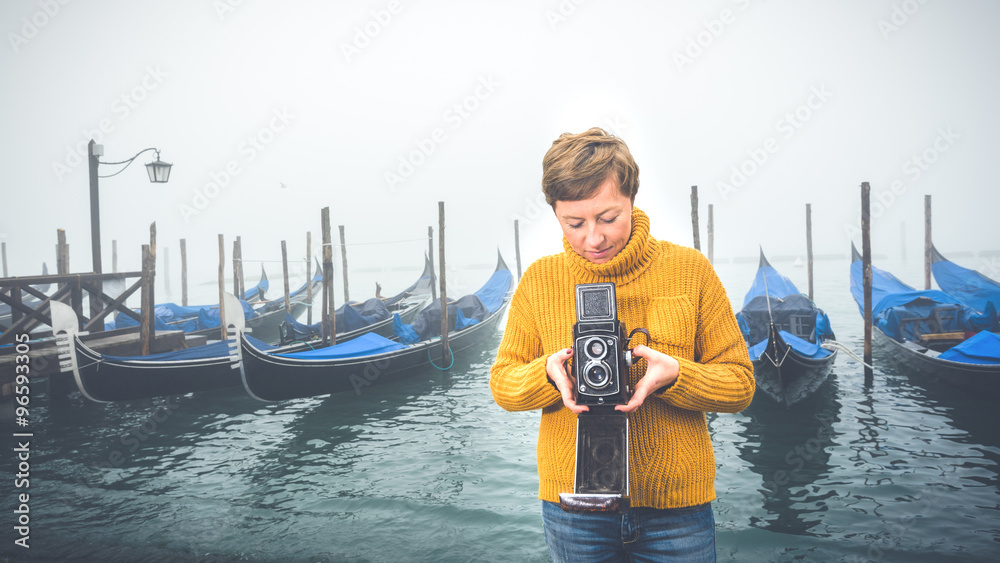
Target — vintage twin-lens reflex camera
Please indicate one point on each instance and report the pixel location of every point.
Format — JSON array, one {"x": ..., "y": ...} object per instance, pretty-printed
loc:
[{"x": 601, "y": 364}]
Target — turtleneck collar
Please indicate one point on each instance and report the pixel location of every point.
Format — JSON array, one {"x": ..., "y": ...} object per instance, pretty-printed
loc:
[{"x": 627, "y": 265}]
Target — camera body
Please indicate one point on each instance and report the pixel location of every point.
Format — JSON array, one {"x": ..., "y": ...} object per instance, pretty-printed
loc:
[
  {"x": 600, "y": 359},
  {"x": 601, "y": 363}
]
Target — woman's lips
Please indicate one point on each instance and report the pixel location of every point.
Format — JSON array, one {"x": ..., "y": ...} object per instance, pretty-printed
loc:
[{"x": 598, "y": 254}]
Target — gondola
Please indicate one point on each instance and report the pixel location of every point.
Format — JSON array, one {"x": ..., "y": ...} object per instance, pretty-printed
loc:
[
  {"x": 354, "y": 319},
  {"x": 203, "y": 320},
  {"x": 103, "y": 378},
  {"x": 265, "y": 319},
  {"x": 785, "y": 332},
  {"x": 371, "y": 359},
  {"x": 931, "y": 332},
  {"x": 970, "y": 287},
  {"x": 257, "y": 292}
]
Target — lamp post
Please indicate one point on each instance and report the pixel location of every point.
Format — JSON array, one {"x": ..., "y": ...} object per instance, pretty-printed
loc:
[{"x": 159, "y": 172}]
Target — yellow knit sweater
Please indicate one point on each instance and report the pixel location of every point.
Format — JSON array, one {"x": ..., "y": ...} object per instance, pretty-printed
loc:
[{"x": 670, "y": 290}]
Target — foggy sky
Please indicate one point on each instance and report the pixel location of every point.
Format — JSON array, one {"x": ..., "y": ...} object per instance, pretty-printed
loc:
[{"x": 380, "y": 109}]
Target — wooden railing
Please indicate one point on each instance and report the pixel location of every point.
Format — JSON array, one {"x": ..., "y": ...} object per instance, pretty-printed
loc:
[{"x": 25, "y": 317}]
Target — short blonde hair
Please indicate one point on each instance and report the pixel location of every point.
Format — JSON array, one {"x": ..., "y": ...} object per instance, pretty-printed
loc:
[{"x": 576, "y": 166}]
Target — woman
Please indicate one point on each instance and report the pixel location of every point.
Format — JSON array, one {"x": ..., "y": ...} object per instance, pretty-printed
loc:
[{"x": 696, "y": 361}]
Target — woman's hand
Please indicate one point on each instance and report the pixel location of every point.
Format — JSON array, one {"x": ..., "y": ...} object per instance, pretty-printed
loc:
[
  {"x": 555, "y": 367},
  {"x": 661, "y": 370}
]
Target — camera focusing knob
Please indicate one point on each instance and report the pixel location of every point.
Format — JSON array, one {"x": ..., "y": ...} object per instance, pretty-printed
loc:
[{"x": 628, "y": 359}]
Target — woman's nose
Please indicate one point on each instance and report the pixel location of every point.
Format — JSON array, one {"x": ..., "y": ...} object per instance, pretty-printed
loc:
[{"x": 594, "y": 237}]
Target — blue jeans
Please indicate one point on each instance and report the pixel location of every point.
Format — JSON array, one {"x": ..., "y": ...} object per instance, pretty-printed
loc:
[{"x": 644, "y": 534}]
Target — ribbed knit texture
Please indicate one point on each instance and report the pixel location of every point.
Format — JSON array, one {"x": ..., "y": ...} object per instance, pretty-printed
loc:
[{"x": 670, "y": 290}]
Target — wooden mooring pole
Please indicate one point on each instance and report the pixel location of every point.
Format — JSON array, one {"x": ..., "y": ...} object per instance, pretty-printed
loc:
[
  {"x": 809, "y": 248},
  {"x": 711, "y": 235},
  {"x": 284, "y": 274},
  {"x": 222, "y": 286},
  {"x": 866, "y": 269},
  {"x": 329, "y": 318},
  {"x": 114, "y": 256},
  {"x": 445, "y": 351},
  {"x": 928, "y": 241},
  {"x": 184, "y": 273},
  {"x": 430, "y": 257},
  {"x": 236, "y": 268},
  {"x": 147, "y": 325},
  {"x": 242, "y": 294},
  {"x": 694, "y": 217},
  {"x": 343, "y": 257},
  {"x": 62, "y": 254},
  {"x": 309, "y": 277},
  {"x": 152, "y": 283},
  {"x": 3, "y": 251},
  {"x": 517, "y": 248}
]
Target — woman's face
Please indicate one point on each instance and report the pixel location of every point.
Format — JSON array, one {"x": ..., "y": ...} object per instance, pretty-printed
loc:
[{"x": 599, "y": 227}]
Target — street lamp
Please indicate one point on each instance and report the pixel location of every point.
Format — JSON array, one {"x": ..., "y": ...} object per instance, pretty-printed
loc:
[{"x": 159, "y": 172}]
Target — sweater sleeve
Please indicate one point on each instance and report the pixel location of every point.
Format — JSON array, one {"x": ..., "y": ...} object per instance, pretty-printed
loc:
[
  {"x": 518, "y": 379},
  {"x": 720, "y": 377}
]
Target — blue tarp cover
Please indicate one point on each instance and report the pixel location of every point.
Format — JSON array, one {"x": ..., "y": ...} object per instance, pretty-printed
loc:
[
  {"x": 367, "y": 344},
  {"x": 171, "y": 316},
  {"x": 495, "y": 289},
  {"x": 968, "y": 286},
  {"x": 208, "y": 317},
  {"x": 776, "y": 285},
  {"x": 348, "y": 318},
  {"x": 803, "y": 347},
  {"x": 214, "y": 350},
  {"x": 463, "y": 312},
  {"x": 894, "y": 301},
  {"x": 774, "y": 298},
  {"x": 491, "y": 294},
  {"x": 983, "y": 348}
]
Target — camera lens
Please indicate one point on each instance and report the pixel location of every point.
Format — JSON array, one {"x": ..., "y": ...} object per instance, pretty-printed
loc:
[
  {"x": 597, "y": 375},
  {"x": 596, "y": 348}
]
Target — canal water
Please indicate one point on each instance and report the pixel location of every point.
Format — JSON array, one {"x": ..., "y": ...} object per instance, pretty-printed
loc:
[{"x": 430, "y": 469}]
